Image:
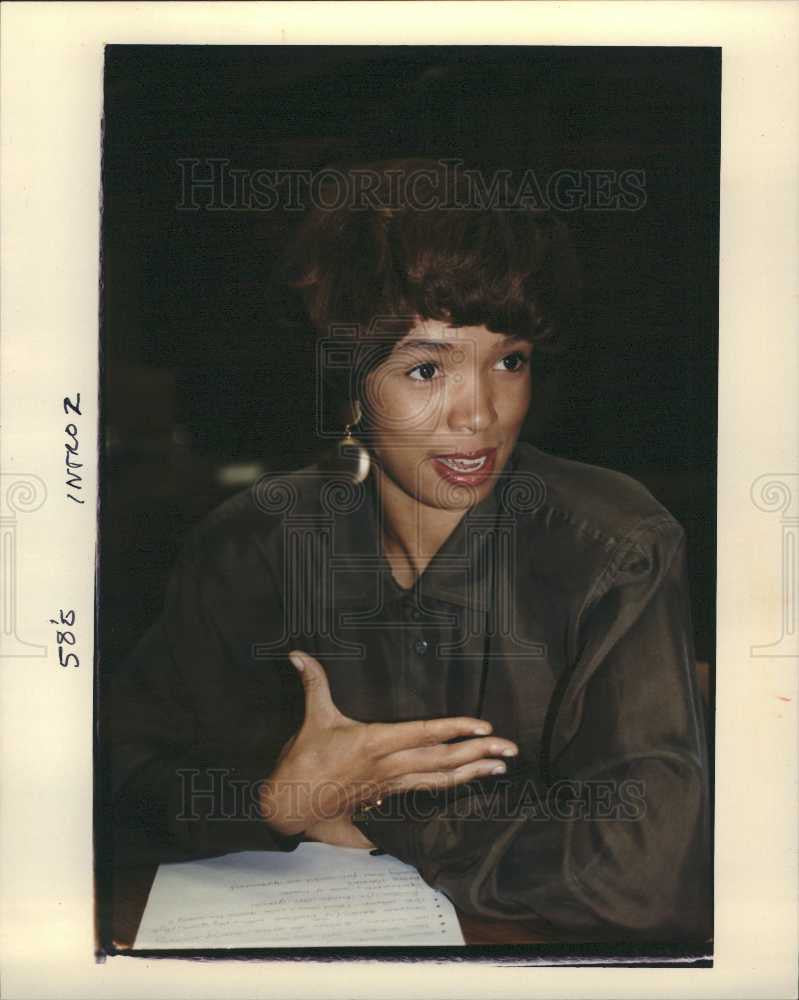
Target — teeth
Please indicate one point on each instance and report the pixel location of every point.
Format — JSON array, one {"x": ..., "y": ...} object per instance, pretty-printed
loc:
[{"x": 464, "y": 464}]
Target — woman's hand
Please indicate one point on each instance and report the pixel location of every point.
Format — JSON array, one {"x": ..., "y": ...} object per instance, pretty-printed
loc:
[
  {"x": 335, "y": 763},
  {"x": 340, "y": 832}
]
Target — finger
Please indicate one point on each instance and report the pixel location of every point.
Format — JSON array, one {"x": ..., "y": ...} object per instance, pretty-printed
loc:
[
  {"x": 437, "y": 780},
  {"x": 446, "y": 757},
  {"x": 319, "y": 703},
  {"x": 389, "y": 737}
]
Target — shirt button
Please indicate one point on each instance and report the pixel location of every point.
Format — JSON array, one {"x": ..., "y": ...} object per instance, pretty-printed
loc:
[{"x": 421, "y": 646}]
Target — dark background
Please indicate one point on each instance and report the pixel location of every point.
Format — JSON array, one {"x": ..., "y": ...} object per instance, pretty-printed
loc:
[{"x": 197, "y": 397}]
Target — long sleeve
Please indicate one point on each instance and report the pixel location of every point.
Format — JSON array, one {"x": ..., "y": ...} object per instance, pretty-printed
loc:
[
  {"x": 197, "y": 721},
  {"x": 609, "y": 832}
]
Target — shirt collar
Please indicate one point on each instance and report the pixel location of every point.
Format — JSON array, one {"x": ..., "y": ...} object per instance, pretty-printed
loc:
[{"x": 462, "y": 572}]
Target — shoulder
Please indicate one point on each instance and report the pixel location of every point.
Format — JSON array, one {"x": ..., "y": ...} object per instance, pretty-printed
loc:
[
  {"x": 249, "y": 524},
  {"x": 590, "y": 500},
  {"x": 590, "y": 527},
  {"x": 592, "y": 530}
]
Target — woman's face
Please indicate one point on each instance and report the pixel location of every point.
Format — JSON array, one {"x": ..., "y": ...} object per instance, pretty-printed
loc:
[{"x": 445, "y": 409}]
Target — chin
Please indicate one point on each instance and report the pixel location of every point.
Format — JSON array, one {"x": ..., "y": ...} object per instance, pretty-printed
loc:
[{"x": 456, "y": 496}]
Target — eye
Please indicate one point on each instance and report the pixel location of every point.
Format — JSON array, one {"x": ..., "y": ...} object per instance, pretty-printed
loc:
[
  {"x": 513, "y": 362},
  {"x": 425, "y": 372}
]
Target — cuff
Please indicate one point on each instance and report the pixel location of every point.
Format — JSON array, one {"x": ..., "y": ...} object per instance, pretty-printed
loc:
[
  {"x": 420, "y": 827},
  {"x": 401, "y": 824},
  {"x": 389, "y": 828}
]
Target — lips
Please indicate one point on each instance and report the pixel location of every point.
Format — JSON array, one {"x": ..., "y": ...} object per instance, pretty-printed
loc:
[
  {"x": 464, "y": 464},
  {"x": 466, "y": 467}
]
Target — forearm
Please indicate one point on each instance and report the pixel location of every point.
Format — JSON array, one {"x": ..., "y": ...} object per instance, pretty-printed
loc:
[
  {"x": 182, "y": 807},
  {"x": 624, "y": 851},
  {"x": 192, "y": 732},
  {"x": 627, "y": 715}
]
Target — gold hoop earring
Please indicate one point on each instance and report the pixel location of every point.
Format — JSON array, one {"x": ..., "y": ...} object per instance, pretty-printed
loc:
[{"x": 352, "y": 449}]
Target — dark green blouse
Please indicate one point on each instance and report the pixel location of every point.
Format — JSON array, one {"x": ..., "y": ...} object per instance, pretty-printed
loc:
[{"x": 558, "y": 610}]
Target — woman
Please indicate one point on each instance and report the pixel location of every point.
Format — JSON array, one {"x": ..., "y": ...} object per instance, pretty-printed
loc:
[{"x": 451, "y": 646}]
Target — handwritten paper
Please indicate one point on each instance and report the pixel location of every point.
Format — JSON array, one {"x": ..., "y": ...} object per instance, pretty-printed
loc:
[{"x": 315, "y": 896}]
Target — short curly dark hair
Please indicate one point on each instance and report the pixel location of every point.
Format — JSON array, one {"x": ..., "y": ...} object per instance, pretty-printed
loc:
[
  {"x": 378, "y": 264},
  {"x": 433, "y": 257}
]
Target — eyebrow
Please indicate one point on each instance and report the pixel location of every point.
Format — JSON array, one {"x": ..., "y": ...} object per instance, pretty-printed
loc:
[{"x": 451, "y": 345}]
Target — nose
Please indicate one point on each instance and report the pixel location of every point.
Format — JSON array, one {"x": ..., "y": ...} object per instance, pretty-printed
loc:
[{"x": 471, "y": 404}]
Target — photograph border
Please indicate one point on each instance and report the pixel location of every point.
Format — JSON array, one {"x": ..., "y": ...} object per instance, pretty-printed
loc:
[{"x": 52, "y": 60}]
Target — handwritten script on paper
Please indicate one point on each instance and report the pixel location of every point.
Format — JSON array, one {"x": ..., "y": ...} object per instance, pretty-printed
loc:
[{"x": 313, "y": 897}]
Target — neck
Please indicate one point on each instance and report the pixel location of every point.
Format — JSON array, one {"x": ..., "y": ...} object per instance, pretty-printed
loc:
[{"x": 412, "y": 532}]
